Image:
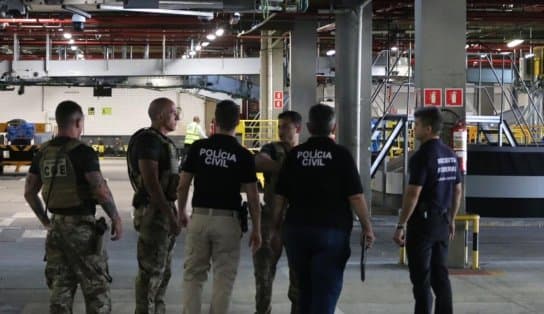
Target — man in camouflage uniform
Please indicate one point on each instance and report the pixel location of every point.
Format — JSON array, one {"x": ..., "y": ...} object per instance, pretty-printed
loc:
[
  {"x": 153, "y": 171},
  {"x": 269, "y": 161},
  {"x": 69, "y": 173}
]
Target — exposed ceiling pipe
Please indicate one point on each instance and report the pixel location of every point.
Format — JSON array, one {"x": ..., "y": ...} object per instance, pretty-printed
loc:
[
  {"x": 255, "y": 27},
  {"x": 326, "y": 28},
  {"x": 105, "y": 7}
]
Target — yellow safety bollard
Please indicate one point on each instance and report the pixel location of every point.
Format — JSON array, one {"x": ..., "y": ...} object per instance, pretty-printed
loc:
[
  {"x": 476, "y": 244},
  {"x": 475, "y": 219},
  {"x": 403, "y": 260}
]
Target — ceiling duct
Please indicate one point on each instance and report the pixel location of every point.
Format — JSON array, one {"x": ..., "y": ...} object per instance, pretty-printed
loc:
[
  {"x": 225, "y": 6},
  {"x": 141, "y": 4}
]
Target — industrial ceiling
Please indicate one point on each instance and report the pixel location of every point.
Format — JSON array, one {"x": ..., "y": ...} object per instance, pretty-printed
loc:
[{"x": 123, "y": 33}]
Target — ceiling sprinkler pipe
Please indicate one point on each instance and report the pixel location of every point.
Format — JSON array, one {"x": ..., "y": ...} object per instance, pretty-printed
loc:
[{"x": 255, "y": 27}]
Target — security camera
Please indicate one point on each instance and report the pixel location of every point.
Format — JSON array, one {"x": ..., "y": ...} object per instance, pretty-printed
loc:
[
  {"x": 78, "y": 22},
  {"x": 12, "y": 8}
]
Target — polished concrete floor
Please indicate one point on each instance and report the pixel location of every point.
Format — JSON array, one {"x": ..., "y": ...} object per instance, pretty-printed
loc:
[{"x": 512, "y": 260}]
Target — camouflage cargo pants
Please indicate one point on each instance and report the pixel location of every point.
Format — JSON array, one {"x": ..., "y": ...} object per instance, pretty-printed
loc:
[
  {"x": 265, "y": 261},
  {"x": 155, "y": 246},
  {"x": 76, "y": 235}
]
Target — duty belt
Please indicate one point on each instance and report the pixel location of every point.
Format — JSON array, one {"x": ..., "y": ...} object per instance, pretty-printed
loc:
[
  {"x": 72, "y": 218},
  {"x": 214, "y": 212}
]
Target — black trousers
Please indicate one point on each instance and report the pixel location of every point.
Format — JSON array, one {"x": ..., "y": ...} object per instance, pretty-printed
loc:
[{"x": 427, "y": 250}]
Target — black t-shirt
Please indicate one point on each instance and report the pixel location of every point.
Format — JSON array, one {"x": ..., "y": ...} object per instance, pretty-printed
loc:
[
  {"x": 317, "y": 178},
  {"x": 435, "y": 168},
  {"x": 148, "y": 146},
  {"x": 84, "y": 160},
  {"x": 219, "y": 165}
]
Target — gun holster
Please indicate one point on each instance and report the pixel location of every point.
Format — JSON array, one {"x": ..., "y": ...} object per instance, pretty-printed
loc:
[
  {"x": 243, "y": 215},
  {"x": 101, "y": 227}
]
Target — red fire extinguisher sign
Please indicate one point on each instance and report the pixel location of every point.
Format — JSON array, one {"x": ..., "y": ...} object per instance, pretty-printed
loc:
[
  {"x": 432, "y": 97},
  {"x": 454, "y": 97}
]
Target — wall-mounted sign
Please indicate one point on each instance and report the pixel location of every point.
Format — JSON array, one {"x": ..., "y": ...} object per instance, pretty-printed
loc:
[
  {"x": 432, "y": 97},
  {"x": 106, "y": 111},
  {"x": 278, "y": 99},
  {"x": 454, "y": 97}
]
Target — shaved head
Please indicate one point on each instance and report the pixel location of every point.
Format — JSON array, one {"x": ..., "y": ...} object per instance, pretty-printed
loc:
[{"x": 158, "y": 106}]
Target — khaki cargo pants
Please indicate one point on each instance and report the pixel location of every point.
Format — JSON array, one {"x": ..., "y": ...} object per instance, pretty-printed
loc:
[{"x": 213, "y": 239}]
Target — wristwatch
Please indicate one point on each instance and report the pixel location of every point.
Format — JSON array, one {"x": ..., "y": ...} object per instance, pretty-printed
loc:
[{"x": 401, "y": 226}]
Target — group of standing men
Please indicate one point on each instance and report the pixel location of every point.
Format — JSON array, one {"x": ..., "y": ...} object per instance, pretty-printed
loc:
[{"x": 311, "y": 193}]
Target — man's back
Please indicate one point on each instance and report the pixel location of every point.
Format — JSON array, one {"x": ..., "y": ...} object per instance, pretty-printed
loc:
[
  {"x": 83, "y": 159},
  {"x": 317, "y": 178},
  {"x": 219, "y": 165}
]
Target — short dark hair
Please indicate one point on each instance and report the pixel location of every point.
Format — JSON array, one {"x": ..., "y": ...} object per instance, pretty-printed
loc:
[
  {"x": 430, "y": 116},
  {"x": 66, "y": 112},
  {"x": 227, "y": 115},
  {"x": 321, "y": 119},
  {"x": 293, "y": 116}
]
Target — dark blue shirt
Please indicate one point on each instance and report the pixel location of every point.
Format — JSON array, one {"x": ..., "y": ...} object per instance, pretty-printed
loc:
[
  {"x": 435, "y": 168},
  {"x": 317, "y": 178}
]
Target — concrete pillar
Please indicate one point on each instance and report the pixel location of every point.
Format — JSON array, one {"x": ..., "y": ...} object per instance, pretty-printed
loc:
[
  {"x": 353, "y": 45},
  {"x": 303, "y": 65},
  {"x": 263, "y": 79},
  {"x": 275, "y": 64},
  {"x": 440, "y": 63},
  {"x": 271, "y": 79}
]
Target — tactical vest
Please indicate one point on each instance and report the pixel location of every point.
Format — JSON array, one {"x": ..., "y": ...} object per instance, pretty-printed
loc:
[
  {"x": 272, "y": 179},
  {"x": 192, "y": 134},
  {"x": 168, "y": 178},
  {"x": 60, "y": 187}
]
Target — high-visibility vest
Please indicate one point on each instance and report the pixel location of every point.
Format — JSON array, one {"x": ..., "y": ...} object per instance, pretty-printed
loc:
[{"x": 192, "y": 133}]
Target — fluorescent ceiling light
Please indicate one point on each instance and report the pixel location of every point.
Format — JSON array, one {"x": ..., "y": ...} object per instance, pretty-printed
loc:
[
  {"x": 106, "y": 7},
  {"x": 73, "y": 48},
  {"x": 184, "y": 57},
  {"x": 211, "y": 37},
  {"x": 505, "y": 53},
  {"x": 71, "y": 41},
  {"x": 192, "y": 53},
  {"x": 515, "y": 42},
  {"x": 219, "y": 32},
  {"x": 331, "y": 52},
  {"x": 198, "y": 48},
  {"x": 483, "y": 55},
  {"x": 394, "y": 48},
  {"x": 67, "y": 35},
  {"x": 529, "y": 55},
  {"x": 205, "y": 44},
  {"x": 466, "y": 46}
]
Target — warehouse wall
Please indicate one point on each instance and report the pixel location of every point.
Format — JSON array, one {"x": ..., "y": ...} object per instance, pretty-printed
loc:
[{"x": 128, "y": 107}]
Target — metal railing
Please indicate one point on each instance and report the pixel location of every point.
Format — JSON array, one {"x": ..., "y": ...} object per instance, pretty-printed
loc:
[{"x": 256, "y": 133}]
